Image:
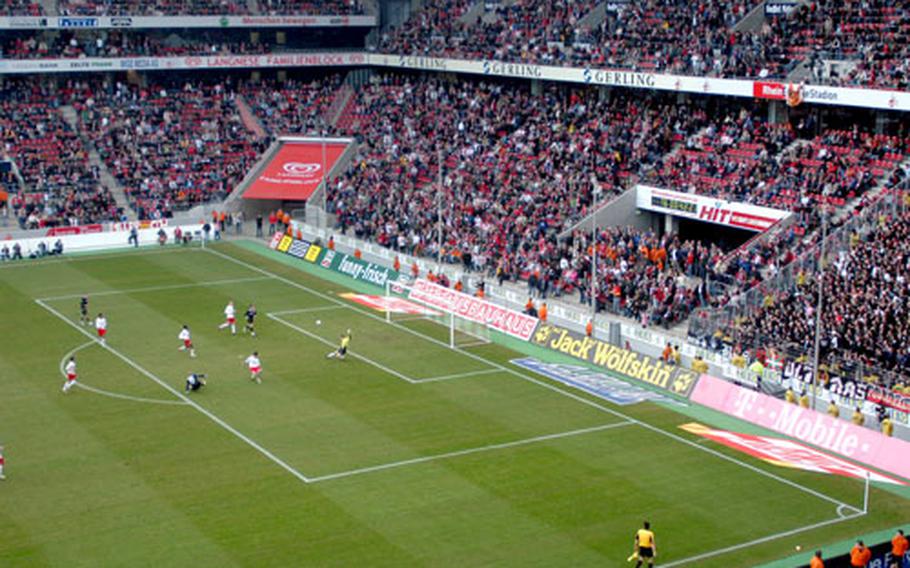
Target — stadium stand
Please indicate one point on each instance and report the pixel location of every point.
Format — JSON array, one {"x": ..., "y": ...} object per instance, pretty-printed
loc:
[
  {"x": 739, "y": 158},
  {"x": 159, "y": 8},
  {"x": 311, "y": 7},
  {"x": 656, "y": 280},
  {"x": 530, "y": 164},
  {"x": 868, "y": 39},
  {"x": 206, "y": 7},
  {"x": 864, "y": 316},
  {"x": 293, "y": 107},
  {"x": 170, "y": 147},
  {"x": 59, "y": 187},
  {"x": 652, "y": 35},
  {"x": 68, "y": 45},
  {"x": 21, "y": 8},
  {"x": 872, "y": 35},
  {"x": 436, "y": 28},
  {"x": 695, "y": 38}
]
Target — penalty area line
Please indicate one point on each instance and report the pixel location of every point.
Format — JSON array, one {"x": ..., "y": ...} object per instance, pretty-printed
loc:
[
  {"x": 106, "y": 393},
  {"x": 237, "y": 433},
  {"x": 468, "y": 451}
]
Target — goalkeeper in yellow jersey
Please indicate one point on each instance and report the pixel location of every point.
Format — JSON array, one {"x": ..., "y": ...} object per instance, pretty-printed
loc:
[
  {"x": 342, "y": 346},
  {"x": 645, "y": 547}
]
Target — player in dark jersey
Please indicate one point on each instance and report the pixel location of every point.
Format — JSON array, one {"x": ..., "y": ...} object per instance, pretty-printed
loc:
[
  {"x": 250, "y": 316},
  {"x": 194, "y": 382},
  {"x": 83, "y": 311}
]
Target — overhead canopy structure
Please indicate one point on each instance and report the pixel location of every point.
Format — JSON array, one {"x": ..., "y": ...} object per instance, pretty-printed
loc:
[{"x": 295, "y": 171}]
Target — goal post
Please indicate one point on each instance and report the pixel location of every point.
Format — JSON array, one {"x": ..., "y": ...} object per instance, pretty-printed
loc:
[{"x": 440, "y": 324}]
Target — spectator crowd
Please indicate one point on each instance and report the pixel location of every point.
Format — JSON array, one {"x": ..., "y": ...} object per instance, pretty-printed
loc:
[
  {"x": 516, "y": 170},
  {"x": 866, "y": 41},
  {"x": 206, "y": 7},
  {"x": 864, "y": 317},
  {"x": 68, "y": 45},
  {"x": 170, "y": 146},
  {"x": 59, "y": 186}
]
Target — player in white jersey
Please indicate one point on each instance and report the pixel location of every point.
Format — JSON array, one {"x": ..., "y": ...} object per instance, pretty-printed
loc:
[
  {"x": 101, "y": 326},
  {"x": 184, "y": 336},
  {"x": 230, "y": 319},
  {"x": 255, "y": 367},
  {"x": 70, "y": 371}
]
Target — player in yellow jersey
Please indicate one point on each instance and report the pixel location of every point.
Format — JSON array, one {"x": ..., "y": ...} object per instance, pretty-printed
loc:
[
  {"x": 342, "y": 347},
  {"x": 645, "y": 546}
]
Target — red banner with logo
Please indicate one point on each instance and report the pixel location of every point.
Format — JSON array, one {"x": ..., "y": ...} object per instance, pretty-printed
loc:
[
  {"x": 295, "y": 172},
  {"x": 769, "y": 90}
]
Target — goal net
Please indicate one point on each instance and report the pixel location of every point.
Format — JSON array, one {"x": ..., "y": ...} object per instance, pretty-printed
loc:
[{"x": 438, "y": 323}]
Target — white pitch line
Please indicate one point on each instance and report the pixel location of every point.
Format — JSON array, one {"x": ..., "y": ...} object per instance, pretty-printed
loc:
[
  {"x": 540, "y": 383},
  {"x": 367, "y": 360},
  {"x": 466, "y": 452},
  {"x": 842, "y": 508},
  {"x": 84, "y": 386},
  {"x": 305, "y": 310},
  {"x": 182, "y": 397},
  {"x": 106, "y": 393},
  {"x": 761, "y": 540},
  {"x": 110, "y": 394},
  {"x": 156, "y": 288},
  {"x": 458, "y": 376},
  {"x": 31, "y": 262}
]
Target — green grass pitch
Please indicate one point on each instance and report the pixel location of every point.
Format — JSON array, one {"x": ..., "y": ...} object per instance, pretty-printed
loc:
[{"x": 408, "y": 454}]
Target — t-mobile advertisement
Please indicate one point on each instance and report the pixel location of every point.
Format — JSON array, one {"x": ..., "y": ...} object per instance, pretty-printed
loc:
[{"x": 839, "y": 436}]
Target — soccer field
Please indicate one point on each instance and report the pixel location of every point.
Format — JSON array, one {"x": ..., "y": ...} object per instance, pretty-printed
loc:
[{"x": 406, "y": 453}]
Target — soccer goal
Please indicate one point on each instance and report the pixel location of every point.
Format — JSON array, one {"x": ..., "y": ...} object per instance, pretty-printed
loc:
[{"x": 440, "y": 324}]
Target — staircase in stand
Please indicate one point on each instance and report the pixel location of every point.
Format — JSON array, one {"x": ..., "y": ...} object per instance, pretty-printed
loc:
[
  {"x": 107, "y": 179},
  {"x": 249, "y": 118}
]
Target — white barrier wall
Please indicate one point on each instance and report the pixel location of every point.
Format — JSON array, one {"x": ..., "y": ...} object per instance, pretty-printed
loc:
[{"x": 99, "y": 241}]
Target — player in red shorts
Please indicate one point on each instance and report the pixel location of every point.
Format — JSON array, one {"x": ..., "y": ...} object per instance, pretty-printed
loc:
[
  {"x": 70, "y": 371},
  {"x": 101, "y": 326},
  {"x": 1, "y": 464},
  {"x": 230, "y": 319},
  {"x": 184, "y": 336},
  {"x": 255, "y": 367}
]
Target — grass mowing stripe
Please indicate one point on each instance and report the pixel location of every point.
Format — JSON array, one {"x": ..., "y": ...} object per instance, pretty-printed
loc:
[
  {"x": 469, "y": 451},
  {"x": 103, "y": 392},
  {"x": 546, "y": 385},
  {"x": 183, "y": 397},
  {"x": 155, "y": 288}
]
